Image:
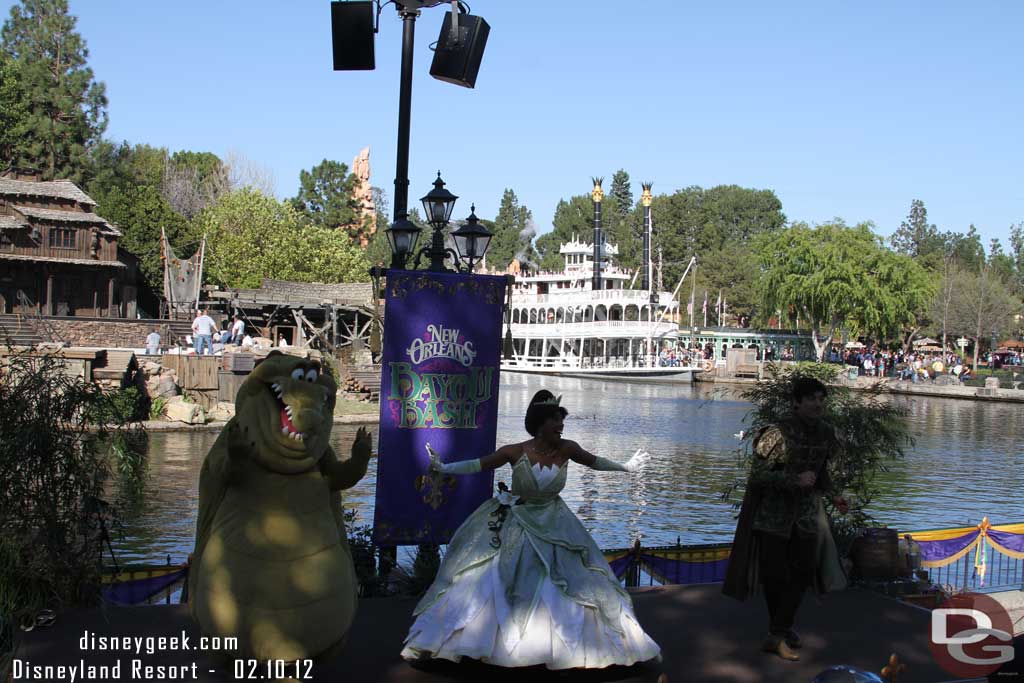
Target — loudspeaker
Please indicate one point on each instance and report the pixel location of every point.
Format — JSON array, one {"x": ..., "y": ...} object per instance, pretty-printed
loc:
[
  {"x": 459, "y": 62},
  {"x": 352, "y": 35}
]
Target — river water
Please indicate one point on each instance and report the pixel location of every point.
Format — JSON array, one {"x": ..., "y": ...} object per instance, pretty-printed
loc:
[{"x": 967, "y": 462}]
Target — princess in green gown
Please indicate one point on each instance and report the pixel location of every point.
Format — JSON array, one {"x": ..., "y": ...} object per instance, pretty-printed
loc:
[{"x": 523, "y": 583}]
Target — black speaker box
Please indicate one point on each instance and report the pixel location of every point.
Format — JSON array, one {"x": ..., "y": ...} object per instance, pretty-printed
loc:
[
  {"x": 459, "y": 62},
  {"x": 352, "y": 35}
]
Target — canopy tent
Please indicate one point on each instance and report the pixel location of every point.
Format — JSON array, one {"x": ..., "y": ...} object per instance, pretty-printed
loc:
[
  {"x": 854, "y": 345},
  {"x": 928, "y": 347},
  {"x": 926, "y": 341},
  {"x": 1012, "y": 344}
]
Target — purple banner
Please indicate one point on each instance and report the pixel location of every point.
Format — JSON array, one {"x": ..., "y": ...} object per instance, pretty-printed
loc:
[
  {"x": 439, "y": 385},
  {"x": 138, "y": 591},
  {"x": 937, "y": 551},
  {"x": 1010, "y": 541}
]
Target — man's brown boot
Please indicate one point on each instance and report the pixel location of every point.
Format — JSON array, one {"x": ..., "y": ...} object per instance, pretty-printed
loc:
[{"x": 777, "y": 645}]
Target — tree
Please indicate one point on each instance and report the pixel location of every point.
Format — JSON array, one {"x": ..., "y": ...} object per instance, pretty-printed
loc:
[
  {"x": 123, "y": 166},
  {"x": 1002, "y": 263},
  {"x": 139, "y": 212},
  {"x": 378, "y": 251},
  {"x": 981, "y": 306},
  {"x": 14, "y": 114},
  {"x": 966, "y": 249},
  {"x": 192, "y": 181},
  {"x": 67, "y": 106},
  {"x": 695, "y": 221},
  {"x": 835, "y": 276},
  {"x": 573, "y": 219},
  {"x": 251, "y": 236},
  {"x": 327, "y": 198},
  {"x": 623, "y": 225},
  {"x": 944, "y": 295},
  {"x": 918, "y": 238},
  {"x": 513, "y": 233},
  {"x": 1017, "y": 254},
  {"x": 622, "y": 193}
]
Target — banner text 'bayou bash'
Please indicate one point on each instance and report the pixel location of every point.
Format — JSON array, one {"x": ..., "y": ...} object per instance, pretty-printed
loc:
[{"x": 439, "y": 401}]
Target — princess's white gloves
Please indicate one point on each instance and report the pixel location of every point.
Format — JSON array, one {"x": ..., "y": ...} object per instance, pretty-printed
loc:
[
  {"x": 464, "y": 467},
  {"x": 632, "y": 465}
]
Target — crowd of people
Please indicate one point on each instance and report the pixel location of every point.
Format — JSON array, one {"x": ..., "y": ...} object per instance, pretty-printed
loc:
[
  {"x": 207, "y": 336},
  {"x": 915, "y": 366}
]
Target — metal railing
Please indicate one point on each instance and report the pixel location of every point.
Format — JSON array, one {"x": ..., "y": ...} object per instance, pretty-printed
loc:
[
  {"x": 1001, "y": 573},
  {"x": 632, "y": 328},
  {"x": 562, "y": 296},
  {"x": 37, "y": 322}
]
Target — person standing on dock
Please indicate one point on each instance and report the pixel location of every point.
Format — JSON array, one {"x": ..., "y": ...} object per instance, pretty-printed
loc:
[
  {"x": 202, "y": 332},
  {"x": 783, "y": 541}
]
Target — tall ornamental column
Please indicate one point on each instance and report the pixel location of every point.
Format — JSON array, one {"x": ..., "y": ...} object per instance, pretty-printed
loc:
[{"x": 597, "y": 195}]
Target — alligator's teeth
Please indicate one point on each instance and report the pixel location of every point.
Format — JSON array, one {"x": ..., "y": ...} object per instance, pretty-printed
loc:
[{"x": 302, "y": 435}]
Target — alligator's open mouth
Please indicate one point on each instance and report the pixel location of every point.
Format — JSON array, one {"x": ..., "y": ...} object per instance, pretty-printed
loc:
[{"x": 287, "y": 428}]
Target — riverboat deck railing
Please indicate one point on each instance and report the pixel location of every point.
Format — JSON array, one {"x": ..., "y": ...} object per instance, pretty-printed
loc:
[
  {"x": 588, "y": 295},
  {"x": 606, "y": 328}
]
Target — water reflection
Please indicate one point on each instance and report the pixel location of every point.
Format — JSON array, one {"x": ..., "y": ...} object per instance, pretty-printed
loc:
[{"x": 967, "y": 463}]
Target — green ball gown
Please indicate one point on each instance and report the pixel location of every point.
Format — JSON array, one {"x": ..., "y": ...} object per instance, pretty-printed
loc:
[{"x": 536, "y": 591}]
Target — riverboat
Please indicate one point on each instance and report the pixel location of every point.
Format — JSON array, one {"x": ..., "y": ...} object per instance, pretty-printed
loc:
[{"x": 587, "y": 321}]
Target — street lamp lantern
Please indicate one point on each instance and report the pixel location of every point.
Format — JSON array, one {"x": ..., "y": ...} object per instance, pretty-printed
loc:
[
  {"x": 438, "y": 204},
  {"x": 402, "y": 236},
  {"x": 472, "y": 239}
]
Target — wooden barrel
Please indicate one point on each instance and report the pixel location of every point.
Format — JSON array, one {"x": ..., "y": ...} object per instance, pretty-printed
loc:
[{"x": 876, "y": 554}]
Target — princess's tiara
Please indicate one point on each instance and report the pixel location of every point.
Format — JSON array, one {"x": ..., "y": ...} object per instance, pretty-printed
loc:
[{"x": 554, "y": 401}]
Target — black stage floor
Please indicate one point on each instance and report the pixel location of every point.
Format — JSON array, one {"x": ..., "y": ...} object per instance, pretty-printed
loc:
[{"x": 705, "y": 637}]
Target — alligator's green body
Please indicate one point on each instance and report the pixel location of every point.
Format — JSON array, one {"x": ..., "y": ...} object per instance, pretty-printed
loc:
[{"x": 271, "y": 564}]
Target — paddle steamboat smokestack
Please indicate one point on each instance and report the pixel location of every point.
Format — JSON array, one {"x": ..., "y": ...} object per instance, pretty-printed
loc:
[
  {"x": 646, "y": 199},
  {"x": 597, "y": 195}
]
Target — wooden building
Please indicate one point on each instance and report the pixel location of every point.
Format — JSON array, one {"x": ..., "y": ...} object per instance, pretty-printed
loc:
[
  {"x": 336, "y": 318},
  {"x": 58, "y": 257}
]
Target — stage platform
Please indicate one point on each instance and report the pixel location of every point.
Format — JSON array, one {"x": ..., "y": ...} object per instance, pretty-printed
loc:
[{"x": 705, "y": 638}]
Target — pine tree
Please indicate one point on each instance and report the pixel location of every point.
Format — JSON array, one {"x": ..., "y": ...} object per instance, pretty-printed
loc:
[
  {"x": 327, "y": 197},
  {"x": 14, "y": 111},
  {"x": 622, "y": 193},
  {"x": 67, "y": 106},
  {"x": 513, "y": 233},
  {"x": 917, "y": 237}
]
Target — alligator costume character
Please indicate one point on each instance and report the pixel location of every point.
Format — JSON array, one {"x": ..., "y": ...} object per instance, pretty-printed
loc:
[{"x": 271, "y": 565}]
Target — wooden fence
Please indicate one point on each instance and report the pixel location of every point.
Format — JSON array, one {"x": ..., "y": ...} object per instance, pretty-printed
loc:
[{"x": 197, "y": 376}]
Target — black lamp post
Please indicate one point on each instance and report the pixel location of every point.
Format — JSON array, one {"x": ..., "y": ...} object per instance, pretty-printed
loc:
[
  {"x": 472, "y": 240},
  {"x": 437, "y": 206},
  {"x": 403, "y": 235}
]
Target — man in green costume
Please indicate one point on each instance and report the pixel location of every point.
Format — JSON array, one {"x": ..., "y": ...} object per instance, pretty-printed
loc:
[
  {"x": 271, "y": 565},
  {"x": 783, "y": 541}
]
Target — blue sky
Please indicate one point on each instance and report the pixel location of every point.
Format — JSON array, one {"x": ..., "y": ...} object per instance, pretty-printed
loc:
[{"x": 843, "y": 109}]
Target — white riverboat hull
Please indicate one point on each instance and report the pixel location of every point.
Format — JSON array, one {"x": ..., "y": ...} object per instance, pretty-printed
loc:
[{"x": 657, "y": 375}]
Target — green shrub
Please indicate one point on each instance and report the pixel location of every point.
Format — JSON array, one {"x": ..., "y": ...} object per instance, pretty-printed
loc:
[
  {"x": 121, "y": 406},
  {"x": 157, "y": 408},
  {"x": 53, "y": 469},
  {"x": 873, "y": 433}
]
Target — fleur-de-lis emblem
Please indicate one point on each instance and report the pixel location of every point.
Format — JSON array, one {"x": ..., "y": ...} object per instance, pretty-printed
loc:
[
  {"x": 894, "y": 670},
  {"x": 435, "y": 487}
]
